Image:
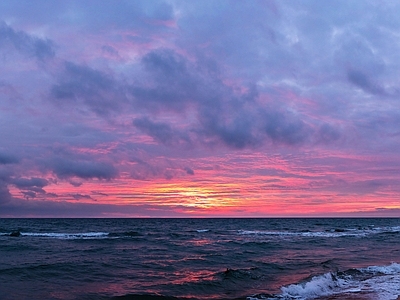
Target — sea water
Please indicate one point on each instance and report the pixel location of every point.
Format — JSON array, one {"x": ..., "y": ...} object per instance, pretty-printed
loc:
[{"x": 199, "y": 259}]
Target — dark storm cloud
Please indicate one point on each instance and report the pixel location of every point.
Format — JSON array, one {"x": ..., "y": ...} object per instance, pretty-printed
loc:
[
  {"x": 82, "y": 84},
  {"x": 65, "y": 168},
  {"x": 25, "y": 43}
]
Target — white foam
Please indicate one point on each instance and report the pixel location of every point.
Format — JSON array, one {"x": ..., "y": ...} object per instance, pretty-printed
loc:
[
  {"x": 393, "y": 268},
  {"x": 322, "y": 285},
  {"x": 334, "y": 233},
  {"x": 283, "y": 234},
  {"x": 385, "y": 287},
  {"x": 84, "y": 235},
  {"x": 202, "y": 230},
  {"x": 381, "y": 281}
]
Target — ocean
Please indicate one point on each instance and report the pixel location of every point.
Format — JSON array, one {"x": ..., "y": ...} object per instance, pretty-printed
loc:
[{"x": 167, "y": 259}]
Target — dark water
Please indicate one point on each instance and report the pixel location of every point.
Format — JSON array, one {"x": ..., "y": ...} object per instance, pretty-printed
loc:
[{"x": 200, "y": 258}]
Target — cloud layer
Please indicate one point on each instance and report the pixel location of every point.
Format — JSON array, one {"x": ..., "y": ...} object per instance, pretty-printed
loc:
[{"x": 176, "y": 108}]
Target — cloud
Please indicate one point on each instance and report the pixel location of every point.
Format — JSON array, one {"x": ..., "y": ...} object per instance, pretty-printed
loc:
[
  {"x": 285, "y": 128},
  {"x": 28, "y": 183},
  {"x": 143, "y": 170},
  {"x": 161, "y": 132},
  {"x": 30, "y": 45},
  {"x": 238, "y": 85},
  {"x": 236, "y": 132},
  {"x": 75, "y": 183},
  {"x": 65, "y": 168},
  {"x": 364, "y": 82},
  {"x": 82, "y": 84},
  {"x": 170, "y": 82},
  {"x": 5, "y": 195},
  {"x": 41, "y": 208},
  {"x": 189, "y": 171},
  {"x": 78, "y": 196},
  {"x": 30, "y": 187},
  {"x": 28, "y": 194},
  {"x": 237, "y": 118},
  {"x": 7, "y": 159},
  {"x": 223, "y": 114}
]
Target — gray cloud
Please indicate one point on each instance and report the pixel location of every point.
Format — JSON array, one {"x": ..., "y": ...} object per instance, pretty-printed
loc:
[
  {"x": 30, "y": 187},
  {"x": 189, "y": 171},
  {"x": 217, "y": 78},
  {"x": 365, "y": 83},
  {"x": 82, "y": 84},
  {"x": 286, "y": 129},
  {"x": 5, "y": 195},
  {"x": 173, "y": 82},
  {"x": 75, "y": 183},
  {"x": 25, "y": 43},
  {"x": 144, "y": 170},
  {"x": 28, "y": 183},
  {"x": 78, "y": 196},
  {"x": 65, "y": 168},
  {"x": 39, "y": 208},
  {"x": 161, "y": 132},
  {"x": 7, "y": 159},
  {"x": 29, "y": 194},
  {"x": 224, "y": 115}
]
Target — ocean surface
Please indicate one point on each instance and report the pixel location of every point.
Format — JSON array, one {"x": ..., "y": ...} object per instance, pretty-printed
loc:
[{"x": 166, "y": 259}]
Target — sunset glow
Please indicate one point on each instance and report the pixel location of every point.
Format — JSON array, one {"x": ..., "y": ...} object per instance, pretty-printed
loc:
[{"x": 199, "y": 109}]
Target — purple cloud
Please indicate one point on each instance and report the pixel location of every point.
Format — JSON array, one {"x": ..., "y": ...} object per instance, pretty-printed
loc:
[
  {"x": 27, "y": 44},
  {"x": 136, "y": 93},
  {"x": 6, "y": 158},
  {"x": 65, "y": 168}
]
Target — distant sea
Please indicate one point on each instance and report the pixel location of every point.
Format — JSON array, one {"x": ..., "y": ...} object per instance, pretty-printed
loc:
[{"x": 166, "y": 259}]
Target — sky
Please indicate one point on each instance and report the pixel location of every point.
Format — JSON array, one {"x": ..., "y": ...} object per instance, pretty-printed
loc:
[{"x": 199, "y": 108}]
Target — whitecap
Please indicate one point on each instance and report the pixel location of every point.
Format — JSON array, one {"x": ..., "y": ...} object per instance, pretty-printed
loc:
[
  {"x": 83, "y": 235},
  {"x": 383, "y": 282}
]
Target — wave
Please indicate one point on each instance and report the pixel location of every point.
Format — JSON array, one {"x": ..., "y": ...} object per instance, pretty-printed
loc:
[
  {"x": 79, "y": 235},
  {"x": 202, "y": 230},
  {"x": 331, "y": 233},
  {"x": 125, "y": 234},
  {"x": 144, "y": 297},
  {"x": 381, "y": 282},
  {"x": 83, "y": 235}
]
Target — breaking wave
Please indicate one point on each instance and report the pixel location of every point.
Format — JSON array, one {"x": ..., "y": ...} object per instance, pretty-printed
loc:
[
  {"x": 381, "y": 282},
  {"x": 331, "y": 233}
]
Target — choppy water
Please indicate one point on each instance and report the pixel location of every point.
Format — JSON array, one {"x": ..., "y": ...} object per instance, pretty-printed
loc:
[{"x": 199, "y": 258}]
